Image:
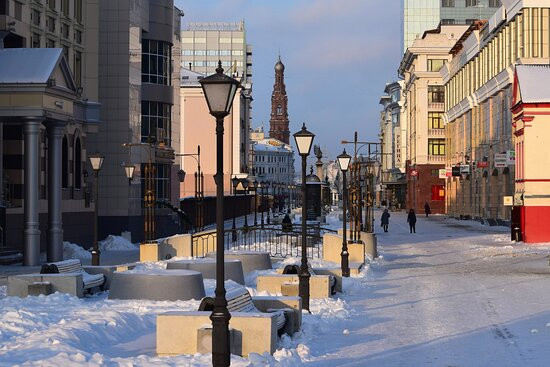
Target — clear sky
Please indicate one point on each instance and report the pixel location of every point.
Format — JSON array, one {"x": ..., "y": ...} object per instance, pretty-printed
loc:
[{"x": 338, "y": 56}]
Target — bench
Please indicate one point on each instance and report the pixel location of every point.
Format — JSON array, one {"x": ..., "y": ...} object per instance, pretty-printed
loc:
[{"x": 73, "y": 266}]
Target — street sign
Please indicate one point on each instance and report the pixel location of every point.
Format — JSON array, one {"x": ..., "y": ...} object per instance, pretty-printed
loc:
[
  {"x": 414, "y": 173},
  {"x": 508, "y": 200},
  {"x": 449, "y": 171},
  {"x": 511, "y": 157},
  {"x": 482, "y": 164},
  {"x": 456, "y": 171},
  {"x": 442, "y": 173},
  {"x": 501, "y": 160},
  {"x": 465, "y": 169}
]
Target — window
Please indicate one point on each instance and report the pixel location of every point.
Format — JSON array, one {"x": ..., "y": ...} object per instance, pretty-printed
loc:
[
  {"x": 50, "y": 24},
  {"x": 161, "y": 174},
  {"x": 187, "y": 40},
  {"x": 212, "y": 52},
  {"x": 65, "y": 7},
  {"x": 35, "y": 17},
  {"x": 472, "y": 2},
  {"x": 50, "y": 43},
  {"x": 155, "y": 122},
  {"x": 447, "y": 21},
  {"x": 78, "y": 68},
  {"x": 35, "y": 40},
  {"x": 18, "y": 10},
  {"x": 66, "y": 52},
  {"x": 470, "y": 21},
  {"x": 237, "y": 52},
  {"x": 155, "y": 62},
  {"x": 436, "y": 94},
  {"x": 225, "y": 39},
  {"x": 435, "y": 64},
  {"x": 225, "y": 53},
  {"x": 65, "y": 30},
  {"x": 434, "y": 172},
  {"x": 238, "y": 40},
  {"x": 51, "y": 4},
  {"x": 78, "y": 37},
  {"x": 200, "y": 39},
  {"x": 494, "y": 3},
  {"x": 279, "y": 110},
  {"x": 200, "y": 52},
  {"x": 77, "y": 164},
  {"x": 4, "y": 7},
  {"x": 447, "y": 3},
  {"x": 436, "y": 146},
  {"x": 435, "y": 121},
  {"x": 78, "y": 10},
  {"x": 64, "y": 163},
  {"x": 187, "y": 52},
  {"x": 438, "y": 192}
]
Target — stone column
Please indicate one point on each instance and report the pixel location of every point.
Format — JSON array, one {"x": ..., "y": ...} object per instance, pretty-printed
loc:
[
  {"x": 55, "y": 226},
  {"x": 31, "y": 231}
]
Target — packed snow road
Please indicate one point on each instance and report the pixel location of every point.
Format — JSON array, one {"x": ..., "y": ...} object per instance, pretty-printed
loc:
[{"x": 454, "y": 294}]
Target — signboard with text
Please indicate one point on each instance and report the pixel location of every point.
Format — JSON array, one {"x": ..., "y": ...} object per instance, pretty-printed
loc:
[
  {"x": 501, "y": 160},
  {"x": 414, "y": 173},
  {"x": 442, "y": 173},
  {"x": 465, "y": 169},
  {"x": 511, "y": 157},
  {"x": 482, "y": 164},
  {"x": 508, "y": 200}
]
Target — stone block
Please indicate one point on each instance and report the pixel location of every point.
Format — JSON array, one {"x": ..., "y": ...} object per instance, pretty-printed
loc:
[
  {"x": 369, "y": 239},
  {"x": 204, "y": 340},
  {"x": 335, "y": 272},
  {"x": 149, "y": 252},
  {"x": 332, "y": 249},
  {"x": 177, "y": 331},
  {"x": 38, "y": 288},
  {"x": 70, "y": 283},
  {"x": 319, "y": 285},
  {"x": 179, "y": 245}
]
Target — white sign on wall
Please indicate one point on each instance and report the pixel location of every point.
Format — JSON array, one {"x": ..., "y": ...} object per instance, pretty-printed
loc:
[
  {"x": 511, "y": 157},
  {"x": 501, "y": 160}
]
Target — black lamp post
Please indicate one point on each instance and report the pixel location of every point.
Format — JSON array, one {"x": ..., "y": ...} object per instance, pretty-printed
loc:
[
  {"x": 343, "y": 162},
  {"x": 304, "y": 140},
  {"x": 262, "y": 202},
  {"x": 244, "y": 182},
  {"x": 255, "y": 184},
  {"x": 219, "y": 91},
  {"x": 267, "y": 184},
  {"x": 235, "y": 183},
  {"x": 96, "y": 160}
]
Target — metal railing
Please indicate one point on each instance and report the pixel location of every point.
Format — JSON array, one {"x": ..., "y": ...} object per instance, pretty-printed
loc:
[{"x": 274, "y": 239}]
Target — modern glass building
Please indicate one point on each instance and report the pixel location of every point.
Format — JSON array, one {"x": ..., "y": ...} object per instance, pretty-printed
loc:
[{"x": 421, "y": 15}]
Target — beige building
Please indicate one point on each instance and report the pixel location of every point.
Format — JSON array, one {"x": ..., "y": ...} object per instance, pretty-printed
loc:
[
  {"x": 423, "y": 108},
  {"x": 198, "y": 128},
  {"x": 478, "y": 83}
]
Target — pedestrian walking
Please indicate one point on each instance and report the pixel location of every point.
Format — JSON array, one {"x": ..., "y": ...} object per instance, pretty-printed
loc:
[
  {"x": 411, "y": 219},
  {"x": 427, "y": 209},
  {"x": 385, "y": 221}
]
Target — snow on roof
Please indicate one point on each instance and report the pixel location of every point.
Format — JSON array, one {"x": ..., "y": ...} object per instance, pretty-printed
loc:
[
  {"x": 28, "y": 65},
  {"x": 533, "y": 82}
]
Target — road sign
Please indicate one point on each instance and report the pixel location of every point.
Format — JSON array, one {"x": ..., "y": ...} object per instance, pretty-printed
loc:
[
  {"x": 501, "y": 160},
  {"x": 456, "y": 171},
  {"x": 482, "y": 164},
  {"x": 465, "y": 169},
  {"x": 414, "y": 173}
]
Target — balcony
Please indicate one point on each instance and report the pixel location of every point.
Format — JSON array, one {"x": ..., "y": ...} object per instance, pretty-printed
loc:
[
  {"x": 436, "y": 106},
  {"x": 439, "y": 159},
  {"x": 436, "y": 132}
]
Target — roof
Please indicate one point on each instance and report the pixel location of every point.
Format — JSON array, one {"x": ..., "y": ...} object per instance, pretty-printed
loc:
[
  {"x": 190, "y": 77},
  {"x": 28, "y": 65},
  {"x": 533, "y": 81}
]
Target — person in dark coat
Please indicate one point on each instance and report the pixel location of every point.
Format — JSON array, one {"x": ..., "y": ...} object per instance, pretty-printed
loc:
[
  {"x": 427, "y": 209},
  {"x": 411, "y": 219},
  {"x": 385, "y": 221}
]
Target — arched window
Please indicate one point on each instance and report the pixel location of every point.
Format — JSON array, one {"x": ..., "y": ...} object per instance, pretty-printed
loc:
[
  {"x": 279, "y": 110},
  {"x": 64, "y": 163},
  {"x": 77, "y": 164}
]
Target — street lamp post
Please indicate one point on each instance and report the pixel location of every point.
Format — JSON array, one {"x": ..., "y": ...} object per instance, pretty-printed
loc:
[
  {"x": 262, "y": 187},
  {"x": 343, "y": 162},
  {"x": 267, "y": 184},
  {"x": 96, "y": 160},
  {"x": 255, "y": 185},
  {"x": 199, "y": 185},
  {"x": 235, "y": 183},
  {"x": 244, "y": 182},
  {"x": 219, "y": 90},
  {"x": 304, "y": 140}
]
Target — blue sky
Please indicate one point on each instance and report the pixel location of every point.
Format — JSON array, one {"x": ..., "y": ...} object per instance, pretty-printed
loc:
[{"x": 338, "y": 56}]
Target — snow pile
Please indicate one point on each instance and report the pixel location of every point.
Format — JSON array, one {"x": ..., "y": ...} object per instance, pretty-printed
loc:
[
  {"x": 74, "y": 251},
  {"x": 116, "y": 243}
]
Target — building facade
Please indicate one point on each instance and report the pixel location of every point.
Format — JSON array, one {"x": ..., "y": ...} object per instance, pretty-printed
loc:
[
  {"x": 138, "y": 89},
  {"x": 393, "y": 136},
  {"x": 272, "y": 160},
  {"x": 278, "y": 122},
  {"x": 478, "y": 83},
  {"x": 421, "y": 15},
  {"x": 424, "y": 107},
  {"x": 198, "y": 129},
  {"x": 50, "y": 62}
]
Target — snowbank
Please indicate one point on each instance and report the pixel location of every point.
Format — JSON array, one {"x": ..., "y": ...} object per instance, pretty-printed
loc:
[
  {"x": 74, "y": 251},
  {"x": 116, "y": 243}
]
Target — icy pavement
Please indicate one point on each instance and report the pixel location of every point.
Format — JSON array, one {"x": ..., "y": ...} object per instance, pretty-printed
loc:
[{"x": 454, "y": 294}]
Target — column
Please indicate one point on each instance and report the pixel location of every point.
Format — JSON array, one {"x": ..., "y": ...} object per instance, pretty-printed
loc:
[
  {"x": 31, "y": 231},
  {"x": 55, "y": 227}
]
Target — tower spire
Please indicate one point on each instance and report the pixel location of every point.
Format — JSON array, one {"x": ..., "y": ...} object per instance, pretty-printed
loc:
[{"x": 278, "y": 123}]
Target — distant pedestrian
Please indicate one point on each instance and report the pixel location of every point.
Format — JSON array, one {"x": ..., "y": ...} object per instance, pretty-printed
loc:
[
  {"x": 385, "y": 221},
  {"x": 427, "y": 209},
  {"x": 411, "y": 219}
]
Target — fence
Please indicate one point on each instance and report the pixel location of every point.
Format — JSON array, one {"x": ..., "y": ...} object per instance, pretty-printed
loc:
[{"x": 269, "y": 238}]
